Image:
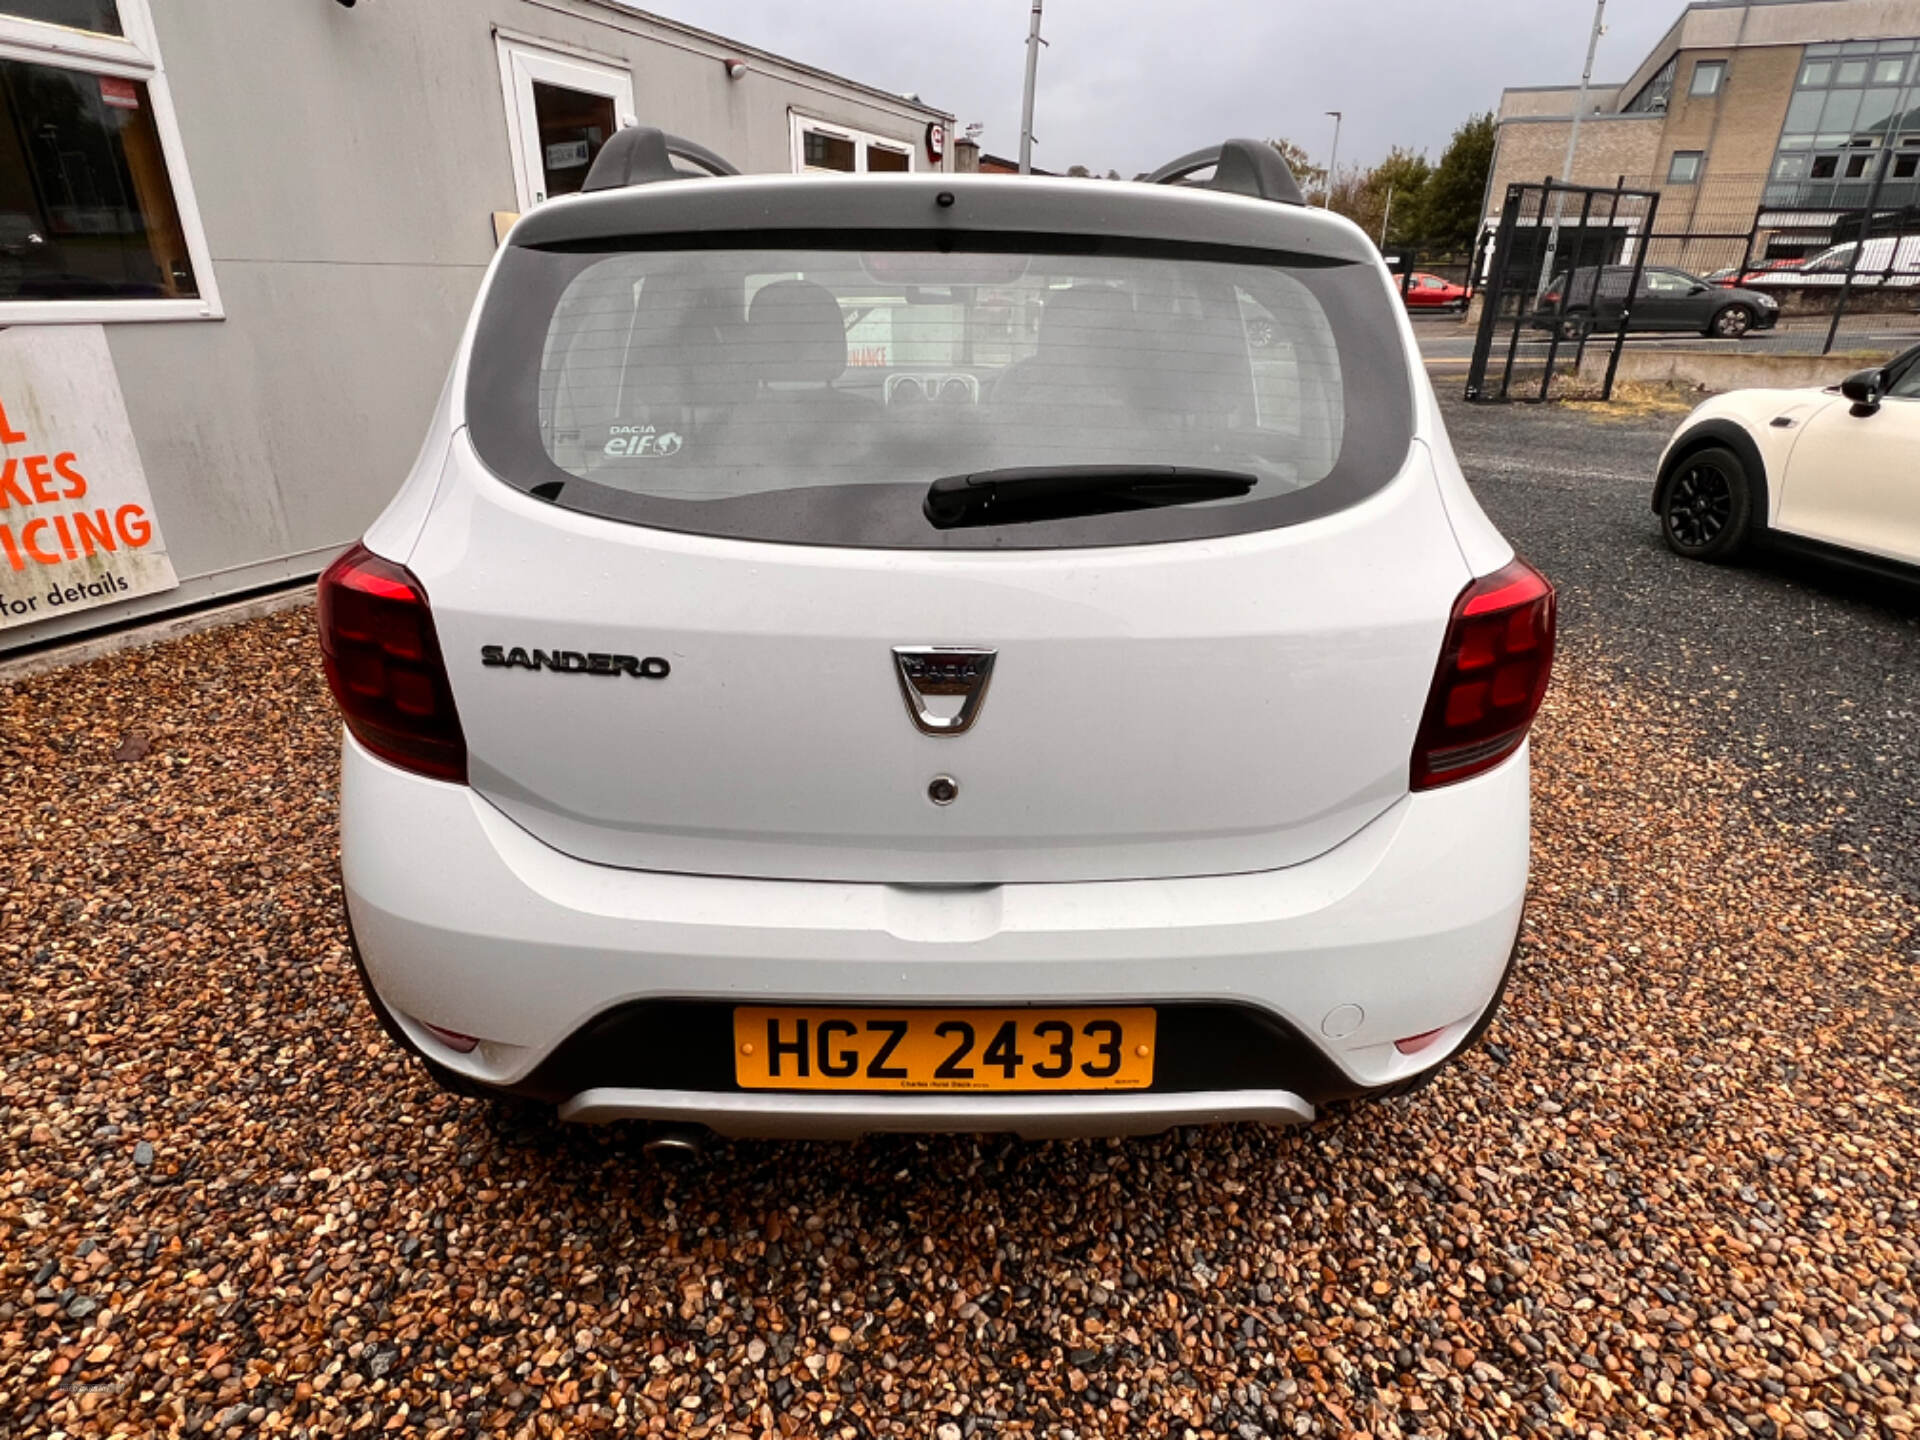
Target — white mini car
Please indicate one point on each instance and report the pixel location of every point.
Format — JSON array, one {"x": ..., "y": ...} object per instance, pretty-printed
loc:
[
  {"x": 1834, "y": 472},
  {"x": 892, "y": 653}
]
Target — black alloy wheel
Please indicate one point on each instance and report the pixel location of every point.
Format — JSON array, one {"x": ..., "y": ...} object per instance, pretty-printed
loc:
[{"x": 1707, "y": 506}]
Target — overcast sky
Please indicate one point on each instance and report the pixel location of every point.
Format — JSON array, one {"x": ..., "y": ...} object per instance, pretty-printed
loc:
[{"x": 1128, "y": 84}]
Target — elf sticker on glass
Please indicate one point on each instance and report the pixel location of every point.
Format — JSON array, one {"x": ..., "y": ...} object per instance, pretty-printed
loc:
[
  {"x": 76, "y": 521},
  {"x": 634, "y": 441}
]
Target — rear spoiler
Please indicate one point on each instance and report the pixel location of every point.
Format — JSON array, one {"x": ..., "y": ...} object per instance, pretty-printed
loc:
[
  {"x": 644, "y": 155},
  {"x": 1240, "y": 167}
]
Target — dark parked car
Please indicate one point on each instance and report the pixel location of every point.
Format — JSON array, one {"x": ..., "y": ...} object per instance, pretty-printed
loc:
[{"x": 1666, "y": 300}]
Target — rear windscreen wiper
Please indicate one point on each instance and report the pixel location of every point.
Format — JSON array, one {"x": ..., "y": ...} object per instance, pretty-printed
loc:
[{"x": 1025, "y": 493}]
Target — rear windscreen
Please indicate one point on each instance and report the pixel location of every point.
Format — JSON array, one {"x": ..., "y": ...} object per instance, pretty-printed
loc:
[{"x": 805, "y": 394}]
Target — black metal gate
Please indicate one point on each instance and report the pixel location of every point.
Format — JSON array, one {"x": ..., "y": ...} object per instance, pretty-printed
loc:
[{"x": 1561, "y": 279}]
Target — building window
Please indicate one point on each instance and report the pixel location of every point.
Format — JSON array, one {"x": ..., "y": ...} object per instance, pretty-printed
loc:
[
  {"x": 1654, "y": 95},
  {"x": 100, "y": 16},
  {"x": 820, "y": 145},
  {"x": 1876, "y": 109},
  {"x": 1684, "y": 167},
  {"x": 821, "y": 151},
  {"x": 1708, "y": 77},
  {"x": 1837, "y": 117},
  {"x": 1851, "y": 100},
  {"x": 97, "y": 220},
  {"x": 561, "y": 109}
]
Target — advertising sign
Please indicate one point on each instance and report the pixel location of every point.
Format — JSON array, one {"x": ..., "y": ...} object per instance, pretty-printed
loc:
[{"x": 76, "y": 521}]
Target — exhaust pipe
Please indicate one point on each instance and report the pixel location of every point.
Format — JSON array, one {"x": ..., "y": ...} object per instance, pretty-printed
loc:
[{"x": 667, "y": 1141}]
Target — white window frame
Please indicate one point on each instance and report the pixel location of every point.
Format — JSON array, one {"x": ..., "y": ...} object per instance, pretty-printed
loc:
[
  {"x": 799, "y": 123},
  {"x": 529, "y": 61},
  {"x": 133, "y": 56},
  {"x": 1701, "y": 68},
  {"x": 1699, "y": 159}
]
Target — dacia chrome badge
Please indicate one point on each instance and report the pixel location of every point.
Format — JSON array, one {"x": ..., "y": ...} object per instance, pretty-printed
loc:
[{"x": 943, "y": 672}]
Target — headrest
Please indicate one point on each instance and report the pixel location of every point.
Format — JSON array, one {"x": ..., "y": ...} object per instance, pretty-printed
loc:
[
  {"x": 1083, "y": 322},
  {"x": 796, "y": 332},
  {"x": 673, "y": 351}
]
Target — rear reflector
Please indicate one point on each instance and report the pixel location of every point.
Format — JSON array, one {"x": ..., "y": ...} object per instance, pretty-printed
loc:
[
  {"x": 384, "y": 667},
  {"x": 452, "y": 1039},
  {"x": 1492, "y": 676},
  {"x": 1414, "y": 1044}
]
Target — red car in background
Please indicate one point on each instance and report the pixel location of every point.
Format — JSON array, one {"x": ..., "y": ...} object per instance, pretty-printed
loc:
[
  {"x": 1431, "y": 292},
  {"x": 1734, "y": 277}
]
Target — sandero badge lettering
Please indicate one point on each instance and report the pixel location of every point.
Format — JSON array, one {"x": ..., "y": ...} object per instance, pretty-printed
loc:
[
  {"x": 573, "y": 662},
  {"x": 1102, "y": 707}
]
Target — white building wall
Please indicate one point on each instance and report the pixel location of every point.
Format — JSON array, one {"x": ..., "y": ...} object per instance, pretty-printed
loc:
[{"x": 347, "y": 164}]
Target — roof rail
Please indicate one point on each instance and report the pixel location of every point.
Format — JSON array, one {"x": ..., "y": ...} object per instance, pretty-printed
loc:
[
  {"x": 1240, "y": 167},
  {"x": 642, "y": 154}
]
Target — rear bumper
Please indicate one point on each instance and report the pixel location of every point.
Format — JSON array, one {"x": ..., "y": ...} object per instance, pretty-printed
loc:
[
  {"x": 843, "y": 1117},
  {"x": 600, "y": 989}
]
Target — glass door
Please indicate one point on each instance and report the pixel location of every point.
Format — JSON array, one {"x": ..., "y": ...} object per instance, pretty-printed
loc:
[{"x": 560, "y": 111}]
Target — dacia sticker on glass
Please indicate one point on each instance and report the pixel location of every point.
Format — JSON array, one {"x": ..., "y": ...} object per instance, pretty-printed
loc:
[{"x": 636, "y": 442}]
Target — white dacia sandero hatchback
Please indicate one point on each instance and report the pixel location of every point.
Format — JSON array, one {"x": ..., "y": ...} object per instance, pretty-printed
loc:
[{"x": 923, "y": 652}]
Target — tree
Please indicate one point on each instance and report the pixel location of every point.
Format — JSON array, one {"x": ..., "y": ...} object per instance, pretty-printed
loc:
[
  {"x": 1401, "y": 182},
  {"x": 1354, "y": 197},
  {"x": 1311, "y": 178},
  {"x": 1388, "y": 197},
  {"x": 1451, "y": 214}
]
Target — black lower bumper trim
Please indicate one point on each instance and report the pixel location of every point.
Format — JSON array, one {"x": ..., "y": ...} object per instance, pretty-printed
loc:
[{"x": 687, "y": 1044}]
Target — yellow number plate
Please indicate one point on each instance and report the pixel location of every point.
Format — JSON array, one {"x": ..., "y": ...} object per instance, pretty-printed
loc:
[{"x": 836, "y": 1049}]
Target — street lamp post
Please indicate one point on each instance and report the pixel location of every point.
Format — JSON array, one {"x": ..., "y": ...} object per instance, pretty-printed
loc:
[
  {"x": 1034, "y": 42},
  {"x": 1573, "y": 143},
  {"x": 1333, "y": 159}
]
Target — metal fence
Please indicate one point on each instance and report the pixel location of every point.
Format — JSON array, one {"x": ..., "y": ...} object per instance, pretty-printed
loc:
[
  {"x": 1840, "y": 259},
  {"x": 1561, "y": 275},
  {"x": 1739, "y": 263}
]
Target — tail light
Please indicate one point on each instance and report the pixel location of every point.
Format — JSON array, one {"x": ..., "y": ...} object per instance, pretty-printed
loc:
[
  {"x": 1552, "y": 297},
  {"x": 1492, "y": 676},
  {"x": 384, "y": 667}
]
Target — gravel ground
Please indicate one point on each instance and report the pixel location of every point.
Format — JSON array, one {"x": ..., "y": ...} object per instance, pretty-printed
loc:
[{"x": 1673, "y": 1195}]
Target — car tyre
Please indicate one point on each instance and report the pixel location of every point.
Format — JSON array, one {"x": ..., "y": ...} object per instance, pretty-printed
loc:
[
  {"x": 1707, "y": 510},
  {"x": 1576, "y": 326},
  {"x": 1731, "y": 323}
]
